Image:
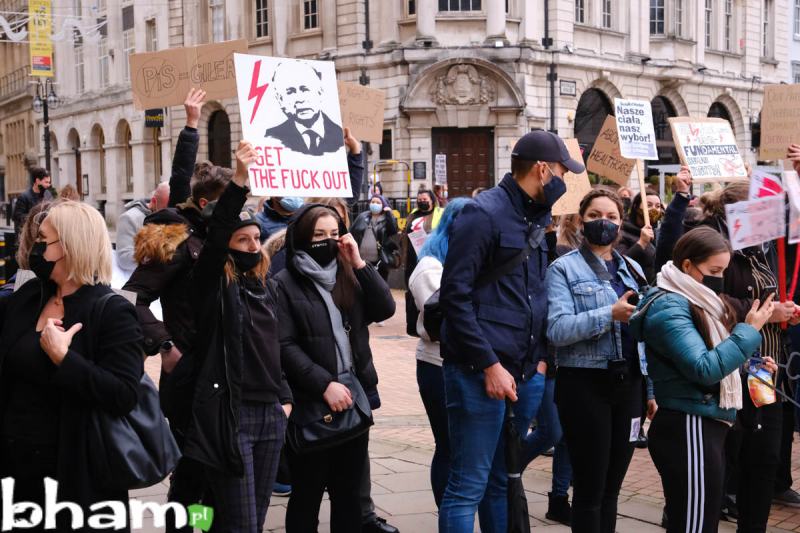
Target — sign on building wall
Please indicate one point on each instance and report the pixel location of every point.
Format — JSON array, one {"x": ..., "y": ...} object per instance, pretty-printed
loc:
[
  {"x": 154, "y": 118},
  {"x": 290, "y": 112},
  {"x": 40, "y": 30},
  {"x": 440, "y": 169},
  {"x": 780, "y": 120},
  {"x": 637, "y": 137},
  {"x": 707, "y": 146}
]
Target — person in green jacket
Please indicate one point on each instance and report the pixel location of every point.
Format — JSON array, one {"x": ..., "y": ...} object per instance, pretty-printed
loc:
[{"x": 694, "y": 349}]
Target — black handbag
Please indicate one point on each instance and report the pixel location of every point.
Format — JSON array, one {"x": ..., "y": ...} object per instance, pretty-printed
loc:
[
  {"x": 313, "y": 427},
  {"x": 136, "y": 450}
]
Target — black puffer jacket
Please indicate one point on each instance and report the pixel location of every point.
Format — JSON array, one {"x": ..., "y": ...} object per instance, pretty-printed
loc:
[{"x": 308, "y": 353}]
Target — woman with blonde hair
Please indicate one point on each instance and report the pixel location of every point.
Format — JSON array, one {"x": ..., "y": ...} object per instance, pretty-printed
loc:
[{"x": 58, "y": 364}]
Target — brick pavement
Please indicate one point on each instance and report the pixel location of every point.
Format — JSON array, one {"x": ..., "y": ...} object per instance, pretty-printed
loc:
[{"x": 401, "y": 446}]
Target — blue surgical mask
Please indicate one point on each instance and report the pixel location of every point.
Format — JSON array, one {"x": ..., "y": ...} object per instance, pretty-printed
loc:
[
  {"x": 375, "y": 208},
  {"x": 291, "y": 203}
]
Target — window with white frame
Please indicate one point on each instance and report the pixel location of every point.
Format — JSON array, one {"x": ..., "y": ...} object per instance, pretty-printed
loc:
[
  {"x": 80, "y": 77},
  {"x": 796, "y": 21},
  {"x": 657, "y": 19},
  {"x": 104, "y": 62},
  {"x": 151, "y": 35},
  {"x": 310, "y": 14},
  {"x": 460, "y": 5},
  {"x": 262, "y": 18},
  {"x": 677, "y": 23},
  {"x": 709, "y": 18},
  {"x": 766, "y": 31},
  {"x": 607, "y": 13},
  {"x": 728, "y": 21},
  {"x": 411, "y": 7},
  {"x": 217, "y": 20},
  {"x": 796, "y": 72},
  {"x": 580, "y": 11}
]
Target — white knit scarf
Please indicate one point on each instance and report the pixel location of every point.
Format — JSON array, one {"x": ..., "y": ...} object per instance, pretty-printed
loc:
[{"x": 672, "y": 279}]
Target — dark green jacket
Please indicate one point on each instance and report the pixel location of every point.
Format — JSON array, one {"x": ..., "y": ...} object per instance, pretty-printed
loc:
[{"x": 685, "y": 373}]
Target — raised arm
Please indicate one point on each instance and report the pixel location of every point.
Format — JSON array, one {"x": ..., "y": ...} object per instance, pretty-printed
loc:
[{"x": 186, "y": 150}]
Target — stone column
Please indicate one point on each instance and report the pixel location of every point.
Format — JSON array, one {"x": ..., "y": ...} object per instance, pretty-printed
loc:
[
  {"x": 280, "y": 27},
  {"x": 390, "y": 14},
  {"x": 532, "y": 27},
  {"x": 495, "y": 21},
  {"x": 328, "y": 15},
  {"x": 426, "y": 20}
]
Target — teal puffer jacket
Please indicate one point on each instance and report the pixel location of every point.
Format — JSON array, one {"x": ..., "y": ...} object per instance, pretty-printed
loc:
[{"x": 685, "y": 373}]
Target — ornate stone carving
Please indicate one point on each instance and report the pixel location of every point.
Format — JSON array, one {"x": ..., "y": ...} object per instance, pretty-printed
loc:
[{"x": 463, "y": 85}]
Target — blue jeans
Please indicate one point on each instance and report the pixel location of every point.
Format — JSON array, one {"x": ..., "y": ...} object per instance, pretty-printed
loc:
[
  {"x": 477, "y": 457},
  {"x": 547, "y": 434},
  {"x": 431, "y": 389}
]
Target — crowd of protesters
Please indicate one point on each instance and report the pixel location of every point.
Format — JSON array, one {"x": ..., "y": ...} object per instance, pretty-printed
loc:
[{"x": 581, "y": 327}]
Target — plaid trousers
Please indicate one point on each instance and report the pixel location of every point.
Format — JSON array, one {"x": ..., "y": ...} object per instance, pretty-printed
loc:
[{"x": 240, "y": 504}]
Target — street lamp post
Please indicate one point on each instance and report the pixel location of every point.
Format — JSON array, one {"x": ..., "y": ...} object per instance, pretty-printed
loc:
[{"x": 44, "y": 100}]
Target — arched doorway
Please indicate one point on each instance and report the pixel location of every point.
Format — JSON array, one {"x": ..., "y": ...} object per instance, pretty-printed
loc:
[
  {"x": 718, "y": 110},
  {"x": 124, "y": 139},
  {"x": 74, "y": 143},
  {"x": 662, "y": 111},
  {"x": 98, "y": 142},
  {"x": 593, "y": 108},
  {"x": 54, "y": 171},
  {"x": 219, "y": 139}
]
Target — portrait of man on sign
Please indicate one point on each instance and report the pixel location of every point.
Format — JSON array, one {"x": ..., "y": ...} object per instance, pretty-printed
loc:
[{"x": 307, "y": 129}]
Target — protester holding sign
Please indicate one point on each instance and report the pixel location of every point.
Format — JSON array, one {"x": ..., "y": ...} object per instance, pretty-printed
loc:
[
  {"x": 695, "y": 345},
  {"x": 420, "y": 222},
  {"x": 637, "y": 241},
  {"x": 599, "y": 380},
  {"x": 237, "y": 432}
]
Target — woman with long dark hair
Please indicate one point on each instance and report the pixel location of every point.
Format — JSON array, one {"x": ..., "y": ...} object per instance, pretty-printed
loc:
[
  {"x": 328, "y": 296},
  {"x": 695, "y": 345}
]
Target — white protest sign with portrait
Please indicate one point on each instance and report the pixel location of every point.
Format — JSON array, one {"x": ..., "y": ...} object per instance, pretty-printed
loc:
[
  {"x": 440, "y": 169},
  {"x": 637, "y": 137},
  {"x": 754, "y": 222},
  {"x": 707, "y": 146},
  {"x": 290, "y": 112},
  {"x": 764, "y": 184}
]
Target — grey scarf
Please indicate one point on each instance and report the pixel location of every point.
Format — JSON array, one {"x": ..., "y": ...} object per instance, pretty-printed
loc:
[{"x": 324, "y": 279}]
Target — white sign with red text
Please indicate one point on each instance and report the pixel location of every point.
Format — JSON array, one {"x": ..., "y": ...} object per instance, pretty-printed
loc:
[
  {"x": 754, "y": 222},
  {"x": 290, "y": 112}
]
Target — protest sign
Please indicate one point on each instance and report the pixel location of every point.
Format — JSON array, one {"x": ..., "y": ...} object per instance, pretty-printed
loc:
[
  {"x": 780, "y": 120},
  {"x": 362, "y": 111},
  {"x": 577, "y": 184},
  {"x": 417, "y": 239},
  {"x": 792, "y": 185},
  {"x": 605, "y": 159},
  {"x": 753, "y": 222},
  {"x": 707, "y": 146},
  {"x": 440, "y": 169},
  {"x": 637, "y": 138},
  {"x": 794, "y": 225},
  {"x": 163, "y": 79},
  {"x": 764, "y": 184},
  {"x": 290, "y": 113}
]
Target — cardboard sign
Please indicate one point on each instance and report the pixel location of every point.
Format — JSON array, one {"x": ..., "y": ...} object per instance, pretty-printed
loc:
[
  {"x": 290, "y": 112},
  {"x": 763, "y": 184},
  {"x": 605, "y": 159},
  {"x": 440, "y": 169},
  {"x": 637, "y": 137},
  {"x": 753, "y": 222},
  {"x": 577, "y": 184},
  {"x": 163, "y": 79},
  {"x": 362, "y": 111},
  {"x": 780, "y": 120},
  {"x": 707, "y": 146}
]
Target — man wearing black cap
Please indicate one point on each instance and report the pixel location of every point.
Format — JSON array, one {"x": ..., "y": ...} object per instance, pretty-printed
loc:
[{"x": 493, "y": 337}]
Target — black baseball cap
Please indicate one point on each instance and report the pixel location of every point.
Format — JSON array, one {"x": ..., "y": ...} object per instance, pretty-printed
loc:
[{"x": 541, "y": 145}]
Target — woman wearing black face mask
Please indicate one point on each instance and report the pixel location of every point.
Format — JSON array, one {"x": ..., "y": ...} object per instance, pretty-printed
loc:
[
  {"x": 327, "y": 295},
  {"x": 694, "y": 350},
  {"x": 637, "y": 241},
  {"x": 242, "y": 400},
  {"x": 599, "y": 378}
]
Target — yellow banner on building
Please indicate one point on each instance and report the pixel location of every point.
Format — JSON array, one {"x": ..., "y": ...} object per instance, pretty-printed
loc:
[{"x": 39, "y": 30}]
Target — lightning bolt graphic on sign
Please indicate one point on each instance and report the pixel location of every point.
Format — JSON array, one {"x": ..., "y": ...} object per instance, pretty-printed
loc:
[
  {"x": 736, "y": 227},
  {"x": 256, "y": 91}
]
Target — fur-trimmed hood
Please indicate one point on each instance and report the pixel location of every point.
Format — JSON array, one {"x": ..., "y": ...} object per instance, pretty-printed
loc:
[{"x": 158, "y": 242}]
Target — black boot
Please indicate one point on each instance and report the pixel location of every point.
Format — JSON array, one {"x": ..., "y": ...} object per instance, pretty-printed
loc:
[{"x": 558, "y": 509}]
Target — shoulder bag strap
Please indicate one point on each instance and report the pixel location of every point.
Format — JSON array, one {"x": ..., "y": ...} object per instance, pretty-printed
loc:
[
  {"x": 535, "y": 238},
  {"x": 94, "y": 321}
]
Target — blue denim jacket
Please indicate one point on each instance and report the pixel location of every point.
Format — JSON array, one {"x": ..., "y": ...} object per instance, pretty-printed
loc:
[{"x": 579, "y": 312}]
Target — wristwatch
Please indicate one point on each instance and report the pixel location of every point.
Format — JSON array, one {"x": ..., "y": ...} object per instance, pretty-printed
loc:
[{"x": 166, "y": 346}]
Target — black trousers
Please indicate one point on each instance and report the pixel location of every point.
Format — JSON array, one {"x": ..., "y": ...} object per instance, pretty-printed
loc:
[
  {"x": 598, "y": 414},
  {"x": 689, "y": 453},
  {"x": 783, "y": 479},
  {"x": 759, "y": 457},
  {"x": 339, "y": 470}
]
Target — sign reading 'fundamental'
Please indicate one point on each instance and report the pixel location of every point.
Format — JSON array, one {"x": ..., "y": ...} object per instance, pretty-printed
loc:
[{"x": 707, "y": 146}]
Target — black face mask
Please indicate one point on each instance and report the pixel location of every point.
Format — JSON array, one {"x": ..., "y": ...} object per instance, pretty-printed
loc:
[
  {"x": 245, "y": 261},
  {"x": 554, "y": 190},
  {"x": 424, "y": 206},
  {"x": 600, "y": 232},
  {"x": 626, "y": 204},
  {"x": 323, "y": 252},
  {"x": 714, "y": 283},
  {"x": 38, "y": 264}
]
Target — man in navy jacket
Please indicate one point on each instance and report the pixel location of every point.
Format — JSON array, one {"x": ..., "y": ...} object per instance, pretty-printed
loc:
[{"x": 493, "y": 335}]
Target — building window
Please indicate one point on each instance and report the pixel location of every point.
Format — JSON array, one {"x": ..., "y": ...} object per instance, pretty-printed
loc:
[
  {"x": 607, "y": 14},
  {"x": 262, "y": 18},
  {"x": 385, "y": 150},
  {"x": 80, "y": 79},
  {"x": 766, "y": 48},
  {"x": 412, "y": 7},
  {"x": 100, "y": 7},
  {"x": 580, "y": 11},
  {"x": 709, "y": 11},
  {"x": 657, "y": 17},
  {"x": 128, "y": 48},
  {"x": 459, "y": 5},
  {"x": 217, "y": 20},
  {"x": 128, "y": 160},
  {"x": 310, "y": 14},
  {"x": 796, "y": 72},
  {"x": 678, "y": 25},
  {"x": 151, "y": 35},
  {"x": 797, "y": 17},
  {"x": 729, "y": 25},
  {"x": 104, "y": 62}
]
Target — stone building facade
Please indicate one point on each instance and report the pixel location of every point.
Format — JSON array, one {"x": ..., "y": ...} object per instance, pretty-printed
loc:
[{"x": 465, "y": 78}]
